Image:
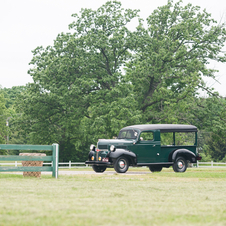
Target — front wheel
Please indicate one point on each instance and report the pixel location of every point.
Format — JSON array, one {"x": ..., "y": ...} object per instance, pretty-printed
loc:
[
  {"x": 121, "y": 165},
  {"x": 155, "y": 168},
  {"x": 180, "y": 165},
  {"x": 99, "y": 169}
]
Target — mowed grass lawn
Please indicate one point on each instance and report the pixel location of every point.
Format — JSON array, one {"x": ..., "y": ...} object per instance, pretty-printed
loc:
[{"x": 196, "y": 197}]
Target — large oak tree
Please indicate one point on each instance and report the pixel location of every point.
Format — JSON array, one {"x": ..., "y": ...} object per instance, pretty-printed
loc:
[{"x": 172, "y": 57}]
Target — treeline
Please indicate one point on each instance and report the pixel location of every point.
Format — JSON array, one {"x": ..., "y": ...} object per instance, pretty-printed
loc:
[{"x": 103, "y": 76}]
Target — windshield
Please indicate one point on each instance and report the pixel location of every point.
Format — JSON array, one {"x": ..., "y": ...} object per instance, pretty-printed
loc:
[{"x": 127, "y": 134}]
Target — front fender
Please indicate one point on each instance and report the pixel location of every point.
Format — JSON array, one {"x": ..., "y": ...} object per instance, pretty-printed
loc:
[
  {"x": 91, "y": 153},
  {"x": 188, "y": 155},
  {"x": 119, "y": 152}
]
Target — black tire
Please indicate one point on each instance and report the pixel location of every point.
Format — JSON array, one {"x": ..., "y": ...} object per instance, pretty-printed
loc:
[
  {"x": 99, "y": 169},
  {"x": 180, "y": 165},
  {"x": 121, "y": 165},
  {"x": 155, "y": 168}
]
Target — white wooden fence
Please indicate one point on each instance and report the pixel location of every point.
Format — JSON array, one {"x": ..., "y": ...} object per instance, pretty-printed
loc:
[
  {"x": 70, "y": 165},
  {"x": 62, "y": 165},
  {"x": 210, "y": 164}
]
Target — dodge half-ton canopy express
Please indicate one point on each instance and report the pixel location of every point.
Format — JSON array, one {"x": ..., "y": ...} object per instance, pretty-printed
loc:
[{"x": 152, "y": 145}]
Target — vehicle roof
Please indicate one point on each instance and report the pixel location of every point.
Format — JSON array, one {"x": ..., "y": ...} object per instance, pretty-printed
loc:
[{"x": 164, "y": 127}]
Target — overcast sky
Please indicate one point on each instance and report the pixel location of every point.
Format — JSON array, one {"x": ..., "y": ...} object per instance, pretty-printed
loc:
[{"x": 26, "y": 24}]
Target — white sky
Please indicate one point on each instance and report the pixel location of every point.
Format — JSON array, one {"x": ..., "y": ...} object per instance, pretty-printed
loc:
[{"x": 26, "y": 24}]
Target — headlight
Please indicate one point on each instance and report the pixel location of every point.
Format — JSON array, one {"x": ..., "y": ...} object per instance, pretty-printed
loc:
[
  {"x": 92, "y": 147},
  {"x": 112, "y": 148},
  {"x": 92, "y": 158}
]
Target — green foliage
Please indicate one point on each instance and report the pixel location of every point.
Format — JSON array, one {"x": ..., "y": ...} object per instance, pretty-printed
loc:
[
  {"x": 172, "y": 56},
  {"x": 216, "y": 146},
  {"x": 13, "y": 134},
  {"x": 3, "y": 119},
  {"x": 3, "y": 116},
  {"x": 10, "y": 95},
  {"x": 211, "y": 118},
  {"x": 206, "y": 158}
]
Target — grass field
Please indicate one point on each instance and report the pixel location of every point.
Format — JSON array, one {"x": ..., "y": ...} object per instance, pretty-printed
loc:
[{"x": 197, "y": 197}]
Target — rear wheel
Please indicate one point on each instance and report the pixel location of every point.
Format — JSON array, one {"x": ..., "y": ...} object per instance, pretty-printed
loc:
[
  {"x": 99, "y": 169},
  {"x": 155, "y": 168},
  {"x": 180, "y": 165},
  {"x": 121, "y": 165}
]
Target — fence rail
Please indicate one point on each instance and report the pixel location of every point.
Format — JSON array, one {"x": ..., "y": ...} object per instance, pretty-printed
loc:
[
  {"x": 61, "y": 165},
  {"x": 70, "y": 165},
  {"x": 65, "y": 165}
]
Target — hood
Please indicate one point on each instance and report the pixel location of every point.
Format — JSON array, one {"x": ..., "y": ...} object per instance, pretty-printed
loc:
[{"x": 118, "y": 143}]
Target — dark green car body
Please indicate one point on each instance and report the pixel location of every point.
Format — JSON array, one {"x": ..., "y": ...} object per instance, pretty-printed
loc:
[{"x": 152, "y": 145}]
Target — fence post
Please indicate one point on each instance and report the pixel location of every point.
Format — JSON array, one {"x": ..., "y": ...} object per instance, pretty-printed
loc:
[
  {"x": 212, "y": 164},
  {"x": 197, "y": 165},
  {"x": 69, "y": 164},
  {"x": 15, "y": 163},
  {"x": 55, "y": 159}
]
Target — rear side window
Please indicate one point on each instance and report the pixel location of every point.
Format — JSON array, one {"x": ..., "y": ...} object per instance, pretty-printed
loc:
[
  {"x": 181, "y": 138},
  {"x": 146, "y": 136},
  {"x": 185, "y": 138}
]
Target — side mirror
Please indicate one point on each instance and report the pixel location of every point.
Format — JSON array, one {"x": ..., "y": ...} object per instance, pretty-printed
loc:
[{"x": 135, "y": 141}]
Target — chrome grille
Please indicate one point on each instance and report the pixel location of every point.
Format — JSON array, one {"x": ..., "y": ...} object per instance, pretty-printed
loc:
[{"x": 102, "y": 147}]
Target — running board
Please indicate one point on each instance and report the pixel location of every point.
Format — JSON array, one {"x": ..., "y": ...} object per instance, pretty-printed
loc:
[{"x": 151, "y": 164}]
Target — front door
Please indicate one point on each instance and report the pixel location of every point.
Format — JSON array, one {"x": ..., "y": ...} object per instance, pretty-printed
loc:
[{"x": 147, "y": 149}]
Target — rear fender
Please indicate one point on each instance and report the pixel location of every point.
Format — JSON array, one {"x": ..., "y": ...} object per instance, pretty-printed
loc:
[{"x": 188, "y": 155}]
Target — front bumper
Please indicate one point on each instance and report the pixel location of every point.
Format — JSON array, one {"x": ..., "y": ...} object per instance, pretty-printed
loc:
[{"x": 98, "y": 163}]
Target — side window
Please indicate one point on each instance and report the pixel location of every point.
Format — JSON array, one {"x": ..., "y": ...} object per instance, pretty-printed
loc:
[
  {"x": 181, "y": 138},
  {"x": 167, "y": 139},
  {"x": 185, "y": 138},
  {"x": 146, "y": 136}
]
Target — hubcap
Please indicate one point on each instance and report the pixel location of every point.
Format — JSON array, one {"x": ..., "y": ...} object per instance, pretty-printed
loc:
[
  {"x": 122, "y": 164},
  {"x": 180, "y": 165}
]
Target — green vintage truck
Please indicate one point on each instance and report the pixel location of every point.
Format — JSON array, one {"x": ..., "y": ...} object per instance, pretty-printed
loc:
[{"x": 152, "y": 145}]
